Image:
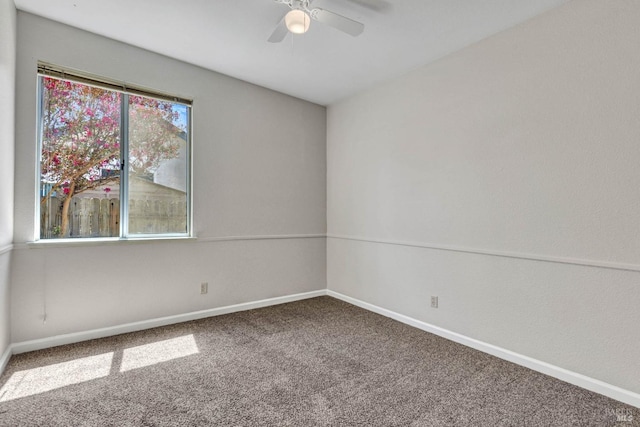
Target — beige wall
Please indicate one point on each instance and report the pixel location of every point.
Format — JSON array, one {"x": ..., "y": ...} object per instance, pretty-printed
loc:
[
  {"x": 258, "y": 170},
  {"x": 508, "y": 172},
  {"x": 7, "y": 83}
]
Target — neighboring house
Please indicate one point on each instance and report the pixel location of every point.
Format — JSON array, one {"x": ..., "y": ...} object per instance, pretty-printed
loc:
[{"x": 172, "y": 173}]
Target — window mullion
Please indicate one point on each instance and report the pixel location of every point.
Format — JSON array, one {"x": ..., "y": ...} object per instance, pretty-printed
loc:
[{"x": 124, "y": 165}]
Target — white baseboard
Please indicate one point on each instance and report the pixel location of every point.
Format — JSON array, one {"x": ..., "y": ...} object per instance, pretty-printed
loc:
[
  {"x": 4, "y": 359},
  {"x": 39, "y": 344},
  {"x": 570, "y": 377}
]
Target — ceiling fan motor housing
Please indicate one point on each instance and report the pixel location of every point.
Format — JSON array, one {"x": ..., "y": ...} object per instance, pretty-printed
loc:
[{"x": 297, "y": 20}]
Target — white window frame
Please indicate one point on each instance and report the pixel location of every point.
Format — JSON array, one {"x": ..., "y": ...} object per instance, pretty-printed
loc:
[{"x": 48, "y": 70}]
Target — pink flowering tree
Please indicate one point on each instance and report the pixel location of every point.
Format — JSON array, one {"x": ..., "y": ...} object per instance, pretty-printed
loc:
[{"x": 81, "y": 139}]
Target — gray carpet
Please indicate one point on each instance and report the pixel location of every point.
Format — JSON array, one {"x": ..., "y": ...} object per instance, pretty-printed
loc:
[{"x": 318, "y": 362}]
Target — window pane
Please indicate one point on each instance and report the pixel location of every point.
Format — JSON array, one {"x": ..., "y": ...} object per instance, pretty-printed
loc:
[
  {"x": 158, "y": 166},
  {"x": 80, "y": 160}
]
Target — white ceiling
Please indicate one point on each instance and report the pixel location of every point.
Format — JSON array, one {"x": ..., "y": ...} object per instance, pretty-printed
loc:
[{"x": 323, "y": 65}]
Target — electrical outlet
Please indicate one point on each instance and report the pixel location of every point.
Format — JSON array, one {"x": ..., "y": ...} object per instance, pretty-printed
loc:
[
  {"x": 204, "y": 288},
  {"x": 434, "y": 302}
]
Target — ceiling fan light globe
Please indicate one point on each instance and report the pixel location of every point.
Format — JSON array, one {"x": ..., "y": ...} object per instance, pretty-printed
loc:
[{"x": 297, "y": 21}]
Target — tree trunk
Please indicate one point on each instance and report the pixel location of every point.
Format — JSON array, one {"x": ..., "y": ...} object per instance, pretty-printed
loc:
[{"x": 64, "y": 226}]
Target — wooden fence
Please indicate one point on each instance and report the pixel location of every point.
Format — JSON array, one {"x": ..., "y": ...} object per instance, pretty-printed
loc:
[{"x": 100, "y": 217}]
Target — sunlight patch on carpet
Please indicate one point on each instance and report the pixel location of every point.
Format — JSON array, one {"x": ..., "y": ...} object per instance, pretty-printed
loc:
[
  {"x": 47, "y": 378},
  {"x": 158, "y": 352}
]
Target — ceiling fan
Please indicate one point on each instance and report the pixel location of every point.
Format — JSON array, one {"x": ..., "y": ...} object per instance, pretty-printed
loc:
[{"x": 298, "y": 19}]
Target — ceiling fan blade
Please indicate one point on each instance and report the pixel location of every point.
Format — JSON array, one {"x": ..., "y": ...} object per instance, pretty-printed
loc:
[
  {"x": 279, "y": 33},
  {"x": 338, "y": 22}
]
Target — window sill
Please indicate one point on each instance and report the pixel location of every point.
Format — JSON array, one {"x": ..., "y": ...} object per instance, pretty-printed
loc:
[{"x": 104, "y": 241}]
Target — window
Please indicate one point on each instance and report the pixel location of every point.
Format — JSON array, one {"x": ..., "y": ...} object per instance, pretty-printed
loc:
[{"x": 114, "y": 160}]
